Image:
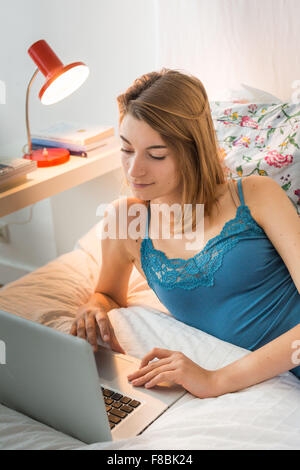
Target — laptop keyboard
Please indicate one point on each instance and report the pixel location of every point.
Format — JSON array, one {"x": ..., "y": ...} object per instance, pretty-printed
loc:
[{"x": 118, "y": 406}]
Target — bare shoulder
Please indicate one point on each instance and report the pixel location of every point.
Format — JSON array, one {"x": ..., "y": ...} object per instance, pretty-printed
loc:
[
  {"x": 259, "y": 191},
  {"x": 263, "y": 183},
  {"x": 129, "y": 217},
  {"x": 127, "y": 201},
  {"x": 127, "y": 208},
  {"x": 280, "y": 221}
]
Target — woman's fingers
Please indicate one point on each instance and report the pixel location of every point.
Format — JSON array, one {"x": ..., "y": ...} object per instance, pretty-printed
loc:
[
  {"x": 155, "y": 375},
  {"x": 115, "y": 345},
  {"x": 155, "y": 352},
  {"x": 90, "y": 324},
  {"x": 108, "y": 334},
  {"x": 73, "y": 330},
  {"x": 154, "y": 366},
  {"x": 86, "y": 325},
  {"x": 102, "y": 322},
  {"x": 167, "y": 377},
  {"x": 81, "y": 333}
]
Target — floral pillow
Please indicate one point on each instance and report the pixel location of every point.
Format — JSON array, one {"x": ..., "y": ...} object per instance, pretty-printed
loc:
[{"x": 262, "y": 139}]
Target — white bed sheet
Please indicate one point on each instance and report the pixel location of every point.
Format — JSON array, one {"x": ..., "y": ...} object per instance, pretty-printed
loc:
[{"x": 265, "y": 416}]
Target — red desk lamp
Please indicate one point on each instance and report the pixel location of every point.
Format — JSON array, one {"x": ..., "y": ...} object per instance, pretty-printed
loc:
[{"x": 61, "y": 81}]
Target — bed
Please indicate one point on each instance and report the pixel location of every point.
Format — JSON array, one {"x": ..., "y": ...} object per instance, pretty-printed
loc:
[{"x": 264, "y": 416}]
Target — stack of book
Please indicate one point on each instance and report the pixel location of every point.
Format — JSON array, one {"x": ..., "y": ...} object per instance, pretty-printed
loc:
[
  {"x": 15, "y": 171},
  {"x": 73, "y": 137}
]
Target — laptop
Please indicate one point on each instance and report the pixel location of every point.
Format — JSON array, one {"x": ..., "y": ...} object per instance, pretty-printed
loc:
[{"x": 57, "y": 379}]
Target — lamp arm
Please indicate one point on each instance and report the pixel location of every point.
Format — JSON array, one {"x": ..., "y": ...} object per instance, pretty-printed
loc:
[{"x": 26, "y": 110}]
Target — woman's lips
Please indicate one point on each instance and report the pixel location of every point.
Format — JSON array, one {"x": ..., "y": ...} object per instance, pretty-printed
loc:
[{"x": 140, "y": 185}]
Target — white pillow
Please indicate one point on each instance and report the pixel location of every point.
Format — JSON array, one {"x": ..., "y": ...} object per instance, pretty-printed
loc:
[
  {"x": 260, "y": 96},
  {"x": 245, "y": 93}
]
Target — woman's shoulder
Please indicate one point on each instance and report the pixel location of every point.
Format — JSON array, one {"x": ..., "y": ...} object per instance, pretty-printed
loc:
[
  {"x": 123, "y": 204},
  {"x": 133, "y": 213},
  {"x": 254, "y": 188},
  {"x": 126, "y": 210}
]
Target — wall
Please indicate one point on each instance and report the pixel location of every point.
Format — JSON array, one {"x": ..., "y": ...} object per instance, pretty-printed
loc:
[
  {"x": 116, "y": 39},
  {"x": 228, "y": 42}
]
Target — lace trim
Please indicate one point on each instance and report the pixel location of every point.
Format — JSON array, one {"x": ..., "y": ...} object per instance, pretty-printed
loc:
[{"x": 200, "y": 269}]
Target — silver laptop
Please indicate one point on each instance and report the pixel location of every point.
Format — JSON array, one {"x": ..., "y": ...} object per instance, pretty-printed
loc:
[{"x": 57, "y": 379}]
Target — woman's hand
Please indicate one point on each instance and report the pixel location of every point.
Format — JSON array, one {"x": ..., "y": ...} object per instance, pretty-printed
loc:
[
  {"x": 174, "y": 366},
  {"x": 91, "y": 320}
]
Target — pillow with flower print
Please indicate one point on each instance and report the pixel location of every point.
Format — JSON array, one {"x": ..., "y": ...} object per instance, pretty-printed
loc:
[{"x": 262, "y": 139}]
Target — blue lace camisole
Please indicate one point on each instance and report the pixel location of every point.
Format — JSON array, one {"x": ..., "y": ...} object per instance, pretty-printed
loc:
[{"x": 237, "y": 288}]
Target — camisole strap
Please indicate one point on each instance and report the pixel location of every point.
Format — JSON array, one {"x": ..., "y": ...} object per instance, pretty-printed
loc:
[
  {"x": 148, "y": 221},
  {"x": 233, "y": 192},
  {"x": 241, "y": 192}
]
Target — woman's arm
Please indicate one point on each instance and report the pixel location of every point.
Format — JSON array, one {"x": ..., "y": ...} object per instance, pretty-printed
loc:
[
  {"x": 276, "y": 357},
  {"x": 279, "y": 219},
  {"x": 116, "y": 266},
  {"x": 111, "y": 290}
]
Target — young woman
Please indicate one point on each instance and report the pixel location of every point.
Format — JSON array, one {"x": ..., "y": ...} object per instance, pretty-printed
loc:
[{"x": 242, "y": 285}]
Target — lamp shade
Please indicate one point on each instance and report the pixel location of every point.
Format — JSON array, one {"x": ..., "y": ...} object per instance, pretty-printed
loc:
[{"x": 61, "y": 80}]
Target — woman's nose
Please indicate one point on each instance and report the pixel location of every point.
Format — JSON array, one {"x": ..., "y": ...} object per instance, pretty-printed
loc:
[{"x": 136, "y": 168}]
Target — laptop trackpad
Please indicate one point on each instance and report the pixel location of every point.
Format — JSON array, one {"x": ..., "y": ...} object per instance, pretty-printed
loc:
[{"x": 112, "y": 365}]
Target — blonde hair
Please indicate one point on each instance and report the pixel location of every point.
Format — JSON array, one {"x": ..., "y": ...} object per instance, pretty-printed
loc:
[{"x": 176, "y": 106}]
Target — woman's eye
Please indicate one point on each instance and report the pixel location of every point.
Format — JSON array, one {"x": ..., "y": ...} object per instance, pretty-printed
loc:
[{"x": 152, "y": 156}]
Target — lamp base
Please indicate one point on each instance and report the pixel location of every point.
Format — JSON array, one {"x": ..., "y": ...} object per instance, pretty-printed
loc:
[{"x": 49, "y": 156}]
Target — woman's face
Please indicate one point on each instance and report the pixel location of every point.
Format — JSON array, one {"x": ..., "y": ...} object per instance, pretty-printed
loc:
[{"x": 149, "y": 165}]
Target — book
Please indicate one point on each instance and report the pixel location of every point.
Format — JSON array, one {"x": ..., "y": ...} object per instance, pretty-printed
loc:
[
  {"x": 15, "y": 170},
  {"x": 77, "y": 153},
  {"x": 41, "y": 143},
  {"x": 66, "y": 134}
]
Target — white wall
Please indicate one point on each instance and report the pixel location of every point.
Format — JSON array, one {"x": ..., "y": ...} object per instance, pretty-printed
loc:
[
  {"x": 228, "y": 42},
  {"x": 116, "y": 39}
]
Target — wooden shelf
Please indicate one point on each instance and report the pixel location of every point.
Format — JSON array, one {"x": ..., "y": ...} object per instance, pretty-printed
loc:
[{"x": 46, "y": 182}]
